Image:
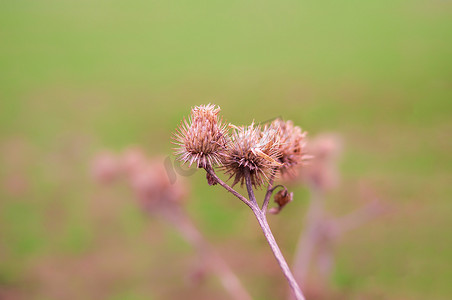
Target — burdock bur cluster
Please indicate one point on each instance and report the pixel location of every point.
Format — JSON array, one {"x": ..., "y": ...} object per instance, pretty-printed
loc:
[
  {"x": 263, "y": 150},
  {"x": 252, "y": 155}
]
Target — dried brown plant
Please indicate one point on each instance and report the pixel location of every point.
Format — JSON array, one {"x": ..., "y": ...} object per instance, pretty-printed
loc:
[
  {"x": 253, "y": 156},
  {"x": 292, "y": 146},
  {"x": 252, "y": 150},
  {"x": 203, "y": 138}
]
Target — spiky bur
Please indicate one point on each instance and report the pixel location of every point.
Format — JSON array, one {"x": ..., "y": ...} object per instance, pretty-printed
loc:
[
  {"x": 291, "y": 146},
  {"x": 255, "y": 150},
  {"x": 202, "y": 139},
  {"x": 252, "y": 156}
]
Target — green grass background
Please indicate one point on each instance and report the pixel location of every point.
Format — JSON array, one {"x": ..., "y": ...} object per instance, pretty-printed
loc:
[{"x": 80, "y": 76}]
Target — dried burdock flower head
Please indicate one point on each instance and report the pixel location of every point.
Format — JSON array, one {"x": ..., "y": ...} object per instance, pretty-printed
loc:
[
  {"x": 252, "y": 155},
  {"x": 252, "y": 150},
  {"x": 203, "y": 138},
  {"x": 292, "y": 146},
  {"x": 281, "y": 198}
]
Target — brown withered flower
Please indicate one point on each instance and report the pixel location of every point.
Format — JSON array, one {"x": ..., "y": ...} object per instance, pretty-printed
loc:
[
  {"x": 254, "y": 150},
  {"x": 292, "y": 146},
  {"x": 281, "y": 198},
  {"x": 203, "y": 138}
]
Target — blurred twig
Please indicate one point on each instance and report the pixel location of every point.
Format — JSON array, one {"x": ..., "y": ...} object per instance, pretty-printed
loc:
[{"x": 209, "y": 256}]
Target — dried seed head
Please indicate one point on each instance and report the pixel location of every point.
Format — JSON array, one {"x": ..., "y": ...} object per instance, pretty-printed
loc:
[
  {"x": 281, "y": 198},
  {"x": 255, "y": 150},
  {"x": 292, "y": 146},
  {"x": 203, "y": 138}
]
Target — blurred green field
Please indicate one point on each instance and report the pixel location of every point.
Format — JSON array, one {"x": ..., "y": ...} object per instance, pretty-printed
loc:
[{"x": 80, "y": 76}]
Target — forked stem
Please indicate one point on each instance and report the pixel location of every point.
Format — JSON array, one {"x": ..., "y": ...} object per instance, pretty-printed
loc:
[
  {"x": 227, "y": 187},
  {"x": 268, "y": 194},
  {"x": 262, "y": 220}
]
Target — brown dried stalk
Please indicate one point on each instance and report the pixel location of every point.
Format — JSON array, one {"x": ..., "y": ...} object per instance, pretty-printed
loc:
[
  {"x": 251, "y": 155},
  {"x": 260, "y": 214}
]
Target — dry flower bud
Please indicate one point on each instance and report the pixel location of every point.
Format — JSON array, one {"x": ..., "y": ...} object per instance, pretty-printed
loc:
[
  {"x": 203, "y": 138},
  {"x": 281, "y": 198},
  {"x": 292, "y": 146},
  {"x": 254, "y": 150}
]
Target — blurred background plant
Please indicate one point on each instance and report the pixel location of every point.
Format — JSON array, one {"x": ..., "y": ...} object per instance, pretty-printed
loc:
[
  {"x": 80, "y": 76},
  {"x": 159, "y": 197},
  {"x": 314, "y": 258}
]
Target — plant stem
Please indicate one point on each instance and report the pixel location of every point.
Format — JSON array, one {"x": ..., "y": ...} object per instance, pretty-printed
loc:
[
  {"x": 268, "y": 194},
  {"x": 227, "y": 187},
  {"x": 262, "y": 219}
]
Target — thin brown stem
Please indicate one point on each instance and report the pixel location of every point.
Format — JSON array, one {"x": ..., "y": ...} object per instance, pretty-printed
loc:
[
  {"x": 249, "y": 188},
  {"x": 210, "y": 170},
  {"x": 279, "y": 256},
  {"x": 261, "y": 218},
  {"x": 268, "y": 194}
]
